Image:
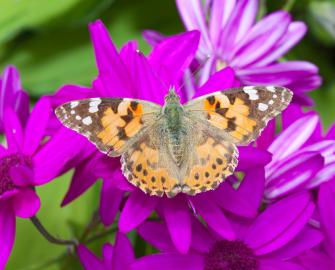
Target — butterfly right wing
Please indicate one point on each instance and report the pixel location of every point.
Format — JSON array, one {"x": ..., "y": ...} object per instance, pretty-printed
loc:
[{"x": 112, "y": 124}]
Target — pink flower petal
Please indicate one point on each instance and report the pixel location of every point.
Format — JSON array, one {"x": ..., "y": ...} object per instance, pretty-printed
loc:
[
  {"x": 171, "y": 57},
  {"x": 137, "y": 208},
  {"x": 36, "y": 126},
  {"x": 157, "y": 235},
  {"x": 148, "y": 85},
  {"x": 22, "y": 175},
  {"x": 221, "y": 11},
  {"x": 213, "y": 215},
  {"x": 308, "y": 238},
  {"x": 217, "y": 82},
  {"x": 110, "y": 201},
  {"x": 89, "y": 260},
  {"x": 237, "y": 26},
  {"x": 278, "y": 265},
  {"x": 123, "y": 254},
  {"x": 260, "y": 39},
  {"x": 13, "y": 130},
  {"x": 239, "y": 201},
  {"x": 153, "y": 37},
  {"x": 192, "y": 14},
  {"x": 294, "y": 34},
  {"x": 293, "y": 137},
  {"x": 112, "y": 71},
  {"x": 168, "y": 261},
  {"x": 264, "y": 238},
  {"x": 7, "y": 231},
  {"x": 326, "y": 199},
  {"x": 177, "y": 216},
  {"x": 26, "y": 203}
]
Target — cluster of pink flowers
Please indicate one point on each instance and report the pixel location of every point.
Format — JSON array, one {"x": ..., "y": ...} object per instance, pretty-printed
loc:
[{"x": 280, "y": 216}]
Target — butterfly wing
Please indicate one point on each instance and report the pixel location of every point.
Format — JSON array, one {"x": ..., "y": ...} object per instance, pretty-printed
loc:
[
  {"x": 112, "y": 124},
  {"x": 242, "y": 113},
  {"x": 211, "y": 159},
  {"x": 149, "y": 166}
]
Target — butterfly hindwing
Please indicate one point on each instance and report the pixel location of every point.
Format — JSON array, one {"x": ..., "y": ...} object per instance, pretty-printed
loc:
[
  {"x": 212, "y": 160},
  {"x": 148, "y": 166},
  {"x": 110, "y": 123},
  {"x": 241, "y": 112}
]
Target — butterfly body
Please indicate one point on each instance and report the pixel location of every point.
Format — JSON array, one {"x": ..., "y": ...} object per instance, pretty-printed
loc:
[{"x": 189, "y": 148}]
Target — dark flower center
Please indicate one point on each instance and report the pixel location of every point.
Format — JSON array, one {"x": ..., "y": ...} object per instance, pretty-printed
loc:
[
  {"x": 6, "y": 163},
  {"x": 231, "y": 255}
]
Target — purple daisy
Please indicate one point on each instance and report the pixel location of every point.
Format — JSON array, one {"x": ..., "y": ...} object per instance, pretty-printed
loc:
[
  {"x": 28, "y": 161},
  {"x": 12, "y": 95},
  {"x": 117, "y": 257},
  {"x": 230, "y": 36},
  {"x": 302, "y": 158},
  {"x": 129, "y": 73},
  {"x": 270, "y": 241}
]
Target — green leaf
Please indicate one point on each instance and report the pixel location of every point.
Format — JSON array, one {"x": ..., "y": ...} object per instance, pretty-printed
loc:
[
  {"x": 322, "y": 20},
  {"x": 23, "y": 15}
]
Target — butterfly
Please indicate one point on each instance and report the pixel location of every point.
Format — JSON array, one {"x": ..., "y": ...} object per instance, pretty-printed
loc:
[{"x": 189, "y": 148}]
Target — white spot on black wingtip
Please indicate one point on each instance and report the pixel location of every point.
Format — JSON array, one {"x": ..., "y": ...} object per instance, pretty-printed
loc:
[
  {"x": 87, "y": 120},
  {"x": 262, "y": 107},
  {"x": 252, "y": 92},
  {"x": 74, "y": 104},
  {"x": 271, "y": 88},
  {"x": 93, "y": 105}
]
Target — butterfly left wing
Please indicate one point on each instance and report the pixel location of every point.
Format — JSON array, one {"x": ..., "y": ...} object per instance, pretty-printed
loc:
[
  {"x": 242, "y": 113},
  {"x": 112, "y": 124}
]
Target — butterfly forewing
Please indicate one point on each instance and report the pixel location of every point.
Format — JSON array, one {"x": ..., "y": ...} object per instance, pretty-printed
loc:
[
  {"x": 242, "y": 113},
  {"x": 112, "y": 124}
]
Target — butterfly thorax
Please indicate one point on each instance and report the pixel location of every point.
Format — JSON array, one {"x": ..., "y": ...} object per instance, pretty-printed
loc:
[{"x": 175, "y": 132}]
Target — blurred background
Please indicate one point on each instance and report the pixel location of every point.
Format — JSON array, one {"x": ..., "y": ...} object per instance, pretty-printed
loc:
[{"x": 48, "y": 42}]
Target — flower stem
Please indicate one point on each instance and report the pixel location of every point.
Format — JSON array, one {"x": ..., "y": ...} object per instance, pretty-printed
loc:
[{"x": 52, "y": 239}]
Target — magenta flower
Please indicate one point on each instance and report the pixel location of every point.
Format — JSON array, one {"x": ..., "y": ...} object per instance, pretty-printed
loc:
[
  {"x": 130, "y": 74},
  {"x": 301, "y": 157},
  {"x": 25, "y": 163},
  {"x": 117, "y": 257},
  {"x": 12, "y": 95},
  {"x": 230, "y": 36},
  {"x": 270, "y": 241},
  {"x": 326, "y": 200}
]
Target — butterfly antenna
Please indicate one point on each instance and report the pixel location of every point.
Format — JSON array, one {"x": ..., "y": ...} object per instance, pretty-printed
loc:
[{"x": 189, "y": 76}]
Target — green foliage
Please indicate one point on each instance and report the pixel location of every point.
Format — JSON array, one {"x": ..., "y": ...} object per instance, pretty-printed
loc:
[{"x": 49, "y": 42}]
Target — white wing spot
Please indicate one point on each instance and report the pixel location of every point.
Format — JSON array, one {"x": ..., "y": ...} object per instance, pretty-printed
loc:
[
  {"x": 94, "y": 105},
  {"x": 271, "y": 102},
  {"x": 74, "y": 104},
  {"x": 78, "y": 117},
  {"x": 262, "y": 107},
  {"x": 251, "y": 92},
  {"x": 87, "y": 120},
  {"x": 271, "y": 88},
  {"x": 93, "y": 109}
]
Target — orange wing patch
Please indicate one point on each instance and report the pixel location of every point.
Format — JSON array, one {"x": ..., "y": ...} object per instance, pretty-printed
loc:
[
  {"x": 142, "y": 168},
  {"x": 109, "y": 123},
  {"x": 121, "y": 123},
  {"x": 216, "y": 160},
  {"x": 232, "y": 115}
]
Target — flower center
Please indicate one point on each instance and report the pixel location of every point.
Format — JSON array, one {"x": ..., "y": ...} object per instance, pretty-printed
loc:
[
  {"x": 231, "y": 255},
  {"x": 220, "y": 64},
  {"x": 6, "y": 163}
]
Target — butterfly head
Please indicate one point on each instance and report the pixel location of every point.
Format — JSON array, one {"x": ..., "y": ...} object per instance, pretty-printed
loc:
[{"x": 172, "y": 97}]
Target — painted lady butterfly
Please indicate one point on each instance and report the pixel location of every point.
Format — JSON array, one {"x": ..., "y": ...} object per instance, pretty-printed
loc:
[{"x": 188, "y": 148}]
